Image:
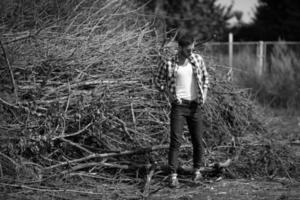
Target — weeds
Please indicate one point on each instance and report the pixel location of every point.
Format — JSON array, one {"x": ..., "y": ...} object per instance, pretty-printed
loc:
[{"x": 279, "y": 85}]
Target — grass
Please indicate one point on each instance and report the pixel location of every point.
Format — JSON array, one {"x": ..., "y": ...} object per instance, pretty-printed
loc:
[{"x": 278, "y": 86}]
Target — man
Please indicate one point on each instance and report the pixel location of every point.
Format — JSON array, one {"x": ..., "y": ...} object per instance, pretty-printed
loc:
[{"x": 185, "y": 79}]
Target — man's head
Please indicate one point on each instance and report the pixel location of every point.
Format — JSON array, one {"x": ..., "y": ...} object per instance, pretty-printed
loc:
[{"x": 186, "y": 45}]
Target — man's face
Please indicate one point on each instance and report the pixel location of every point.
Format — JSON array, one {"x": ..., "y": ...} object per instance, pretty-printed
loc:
[{"x": 186, "y": 51}]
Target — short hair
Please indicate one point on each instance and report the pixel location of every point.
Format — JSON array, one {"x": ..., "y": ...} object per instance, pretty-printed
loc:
[{"x": 185, "y": 40}]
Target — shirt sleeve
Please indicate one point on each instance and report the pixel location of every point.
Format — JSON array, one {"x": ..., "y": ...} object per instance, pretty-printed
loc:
[
  {"x": 160, "y": 78},
  {"x": 202, "y": 67},
  {"x": 205, "y": 75}
]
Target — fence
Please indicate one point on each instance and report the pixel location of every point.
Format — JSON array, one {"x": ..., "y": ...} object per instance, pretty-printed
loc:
[{"x": 258, "y": 55}]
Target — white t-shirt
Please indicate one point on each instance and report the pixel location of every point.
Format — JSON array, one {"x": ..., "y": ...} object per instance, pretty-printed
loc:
[{"x": 186, "y": 87}]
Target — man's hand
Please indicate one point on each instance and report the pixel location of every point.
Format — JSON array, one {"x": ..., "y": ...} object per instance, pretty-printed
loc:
[
  {"x": 204, "y": 94},
  {"x": 169, "y": 95}
]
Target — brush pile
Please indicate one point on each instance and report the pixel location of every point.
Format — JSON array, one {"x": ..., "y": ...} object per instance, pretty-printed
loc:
[{"x": 84, "y": 107}]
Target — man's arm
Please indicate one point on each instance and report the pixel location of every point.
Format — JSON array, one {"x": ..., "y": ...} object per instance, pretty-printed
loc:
[
  {"x": 205, "y": 79},
  {"x": 205, "y": 76},
  {"x": 160, "y": 78}
]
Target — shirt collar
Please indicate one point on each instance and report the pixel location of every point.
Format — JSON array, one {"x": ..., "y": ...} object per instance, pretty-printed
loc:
[{"x": 191, "y": 58}]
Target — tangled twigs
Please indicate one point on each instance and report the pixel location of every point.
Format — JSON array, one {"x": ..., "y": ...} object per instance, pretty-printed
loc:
[
  {"x": 29, "y": 34},
  {"x": 73, "y": 134},
  {"x": 124, "y": 127},
  {"x": 105, "y": 155},
  {"x": 26, "y": 109},
  {"x": 15, "y": 89},
  {"x": 22, "y": 37}
]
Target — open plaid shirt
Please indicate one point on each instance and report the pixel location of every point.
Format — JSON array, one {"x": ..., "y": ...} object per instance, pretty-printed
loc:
[{"x": 165, "y": 79}]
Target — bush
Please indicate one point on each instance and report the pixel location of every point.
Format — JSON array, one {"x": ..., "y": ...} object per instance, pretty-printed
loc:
[
  {"x": 277, "y": 87},
  {"x": 245, "y": 73},
  {"x": 282, "y": 83}
]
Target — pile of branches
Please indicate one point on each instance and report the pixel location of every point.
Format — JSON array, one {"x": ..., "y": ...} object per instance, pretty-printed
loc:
[{"x": 79, "y": 100}]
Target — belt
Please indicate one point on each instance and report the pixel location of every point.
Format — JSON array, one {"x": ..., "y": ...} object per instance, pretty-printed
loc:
[{"x": 187, "y": 102}]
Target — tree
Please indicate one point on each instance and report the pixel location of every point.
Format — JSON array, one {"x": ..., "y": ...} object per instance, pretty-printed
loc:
[
  {"x": 274, "y": 20},
  {"x": 238, "y": 15},
  {"x": 201, "y": 18}
]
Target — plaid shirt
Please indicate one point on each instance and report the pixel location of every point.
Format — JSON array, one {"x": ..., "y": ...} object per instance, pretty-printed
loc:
[{"x": 165, "y": 79}]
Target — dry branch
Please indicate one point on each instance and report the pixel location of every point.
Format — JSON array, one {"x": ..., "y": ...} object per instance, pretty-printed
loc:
[
  {"x": 8, "y": 104},
  {"x": 73, "y": 134},
  {"x": 147, "y": 186},
  {"x": 21, "y": 186},
  {"x": 15, "y": 89},
  {"x": 76, "y": 145},
  {"x": 8, "y": 165},
  {"x": 26, "y": 109}
]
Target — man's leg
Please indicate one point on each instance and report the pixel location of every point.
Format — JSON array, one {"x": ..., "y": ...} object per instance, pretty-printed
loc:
[
  {"x": 176, "y": 126},
  {"x": 195, "y": 126}
]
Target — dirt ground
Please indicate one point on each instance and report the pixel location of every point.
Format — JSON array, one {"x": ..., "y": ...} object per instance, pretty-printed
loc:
[
  {"x": 283, "y": 128},
  {"x": 233, "y": 190},
  {"x": 227, "y": 189}
]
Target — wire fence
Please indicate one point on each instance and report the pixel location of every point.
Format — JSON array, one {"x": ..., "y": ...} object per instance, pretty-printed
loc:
[{"x": 261, "y": 56}]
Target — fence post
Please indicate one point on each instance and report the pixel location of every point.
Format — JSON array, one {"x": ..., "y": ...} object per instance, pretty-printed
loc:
[
  {"x": 260, "y": 55},
  {"x": 230, "y": 49}
]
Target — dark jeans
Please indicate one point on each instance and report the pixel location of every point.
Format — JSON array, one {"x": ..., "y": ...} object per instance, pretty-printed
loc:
[{"x": 192, "y": 114}]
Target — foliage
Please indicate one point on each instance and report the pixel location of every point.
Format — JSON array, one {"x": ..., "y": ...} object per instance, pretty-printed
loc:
[{"x": 200, "y": 18}]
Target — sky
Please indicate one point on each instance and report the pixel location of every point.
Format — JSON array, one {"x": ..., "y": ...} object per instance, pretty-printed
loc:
[{"x": 246, "y": 6}]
